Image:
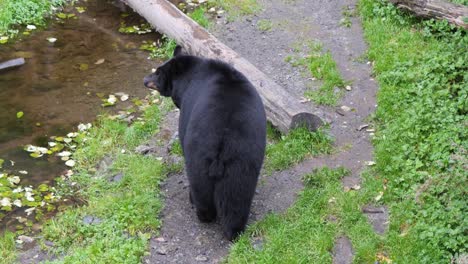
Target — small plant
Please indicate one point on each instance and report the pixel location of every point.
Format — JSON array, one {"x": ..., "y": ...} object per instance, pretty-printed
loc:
[
  {"x": 346, "y": 22},
  {"x": 136, "y": 29},
  {"x": 287, "y": 150},
  {"x": 199, "y": 16},
  {"x": 236, "y": 8},
  {"x": 176, "y": 148},
  {"x": 264, "y": 25},
  {"x": 14, "y": 13},
  {"x": 162, "y": 49},
  {"x": 323, "y": 67},
  {"x": 347, "y": 14}
]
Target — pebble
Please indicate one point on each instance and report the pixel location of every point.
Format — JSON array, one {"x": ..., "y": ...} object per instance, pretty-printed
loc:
[
  {"x": 116, "y": 178},
  {"x": 89, "y": 219},
  {"x": 160, "y": 239},
  {"x": 345, "y": 108},
  {"x": 49, "y": 243},
  {"x": 162, "y": 250},
  {"x": 201, "y": 258},
  {"x": 26, "y": 239}
]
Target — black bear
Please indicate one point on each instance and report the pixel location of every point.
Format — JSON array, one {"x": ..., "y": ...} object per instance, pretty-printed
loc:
[{"x": 222, "y": 131}]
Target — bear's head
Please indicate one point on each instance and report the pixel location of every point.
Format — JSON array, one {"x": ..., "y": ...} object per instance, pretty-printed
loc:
[{"x": 162, "y": 79}]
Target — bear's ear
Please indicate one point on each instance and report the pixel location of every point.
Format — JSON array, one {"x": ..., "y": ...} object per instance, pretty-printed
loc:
[{"x": 177, "y": 51}]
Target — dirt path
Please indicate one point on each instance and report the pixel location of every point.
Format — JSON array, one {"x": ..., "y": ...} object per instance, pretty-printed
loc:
[{"x": 183, "y": 239}]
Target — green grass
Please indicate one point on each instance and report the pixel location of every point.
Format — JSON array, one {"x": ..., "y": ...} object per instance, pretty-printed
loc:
[
  {"x": 461, "y": 2},
  {"x": 176, "y": 148},
  {"x": 161, "y": 50},
  {"x": 287, "y": 150},
  {"x": 321, "y": 66},
  {"x": 7, "y": 248},
  {"x": 264, "y": 25},
  {"x": 305, "y": 233},
  {"x": 199, "y": 16},
  {"x": 127, "y": 210},
  {"x": 237, "y": 8},
  {"x": 421, "y": 141},
  {"x": 23, "y": 12}
]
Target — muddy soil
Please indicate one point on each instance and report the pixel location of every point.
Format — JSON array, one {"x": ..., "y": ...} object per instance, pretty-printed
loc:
[{"x": 183, "y": 239}]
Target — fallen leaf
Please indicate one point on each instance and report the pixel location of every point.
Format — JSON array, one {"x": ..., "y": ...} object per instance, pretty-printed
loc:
[
  {"x": 383, "y": 259},
  {"x": 36, "y": 155},
  {"x": 80, "y": 9},
  {"x": 84, "y": 127},
  {"x": 112, "y": 99},
  {"x": 70, "y": 163},
  {"x": 29, "y": 210},
  {"x": 3, "y": 39},
  {"x": 84, "y": 67},
  {"x": 17, "y": 203},
  {"x": 124, "y": 97},
  {"x": 62, "y": 15},
  {"x": 100, "y": 61},
  {"x": 20, "y": 114},
  {"x": 378, "y": 197},
  {"x": 5, "y": 202},
  {"x": 14, "y": 180},
  {"x": 72, "y": 134},
  {"x": 21, "y": 219},
  {"x": 361, "y": 127},
  {"x": 64, "y": 154}
]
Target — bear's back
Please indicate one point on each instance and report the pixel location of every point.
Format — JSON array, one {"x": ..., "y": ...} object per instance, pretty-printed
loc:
[{"x": 227, "y": 113}]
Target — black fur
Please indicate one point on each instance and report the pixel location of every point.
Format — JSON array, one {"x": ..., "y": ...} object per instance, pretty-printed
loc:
[{"x": 222, "y": 130}]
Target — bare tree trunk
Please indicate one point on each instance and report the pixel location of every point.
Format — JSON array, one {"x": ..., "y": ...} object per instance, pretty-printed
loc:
[
  {"x": 439, "y": 9},
  {"x": 283, "y": 110}
]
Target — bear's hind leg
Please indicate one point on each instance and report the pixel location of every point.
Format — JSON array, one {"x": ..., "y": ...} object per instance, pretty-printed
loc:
[{"x": 201, "y": 196}]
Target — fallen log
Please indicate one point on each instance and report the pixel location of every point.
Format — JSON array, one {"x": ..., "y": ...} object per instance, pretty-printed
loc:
[
  {"x": 439, "y": 9},
  {"x": 283, "y": 110},
  {"x": 11, "y": 63}
]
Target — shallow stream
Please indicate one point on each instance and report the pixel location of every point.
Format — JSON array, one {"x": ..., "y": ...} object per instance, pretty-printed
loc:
[{"x": 61, "y": 82}]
